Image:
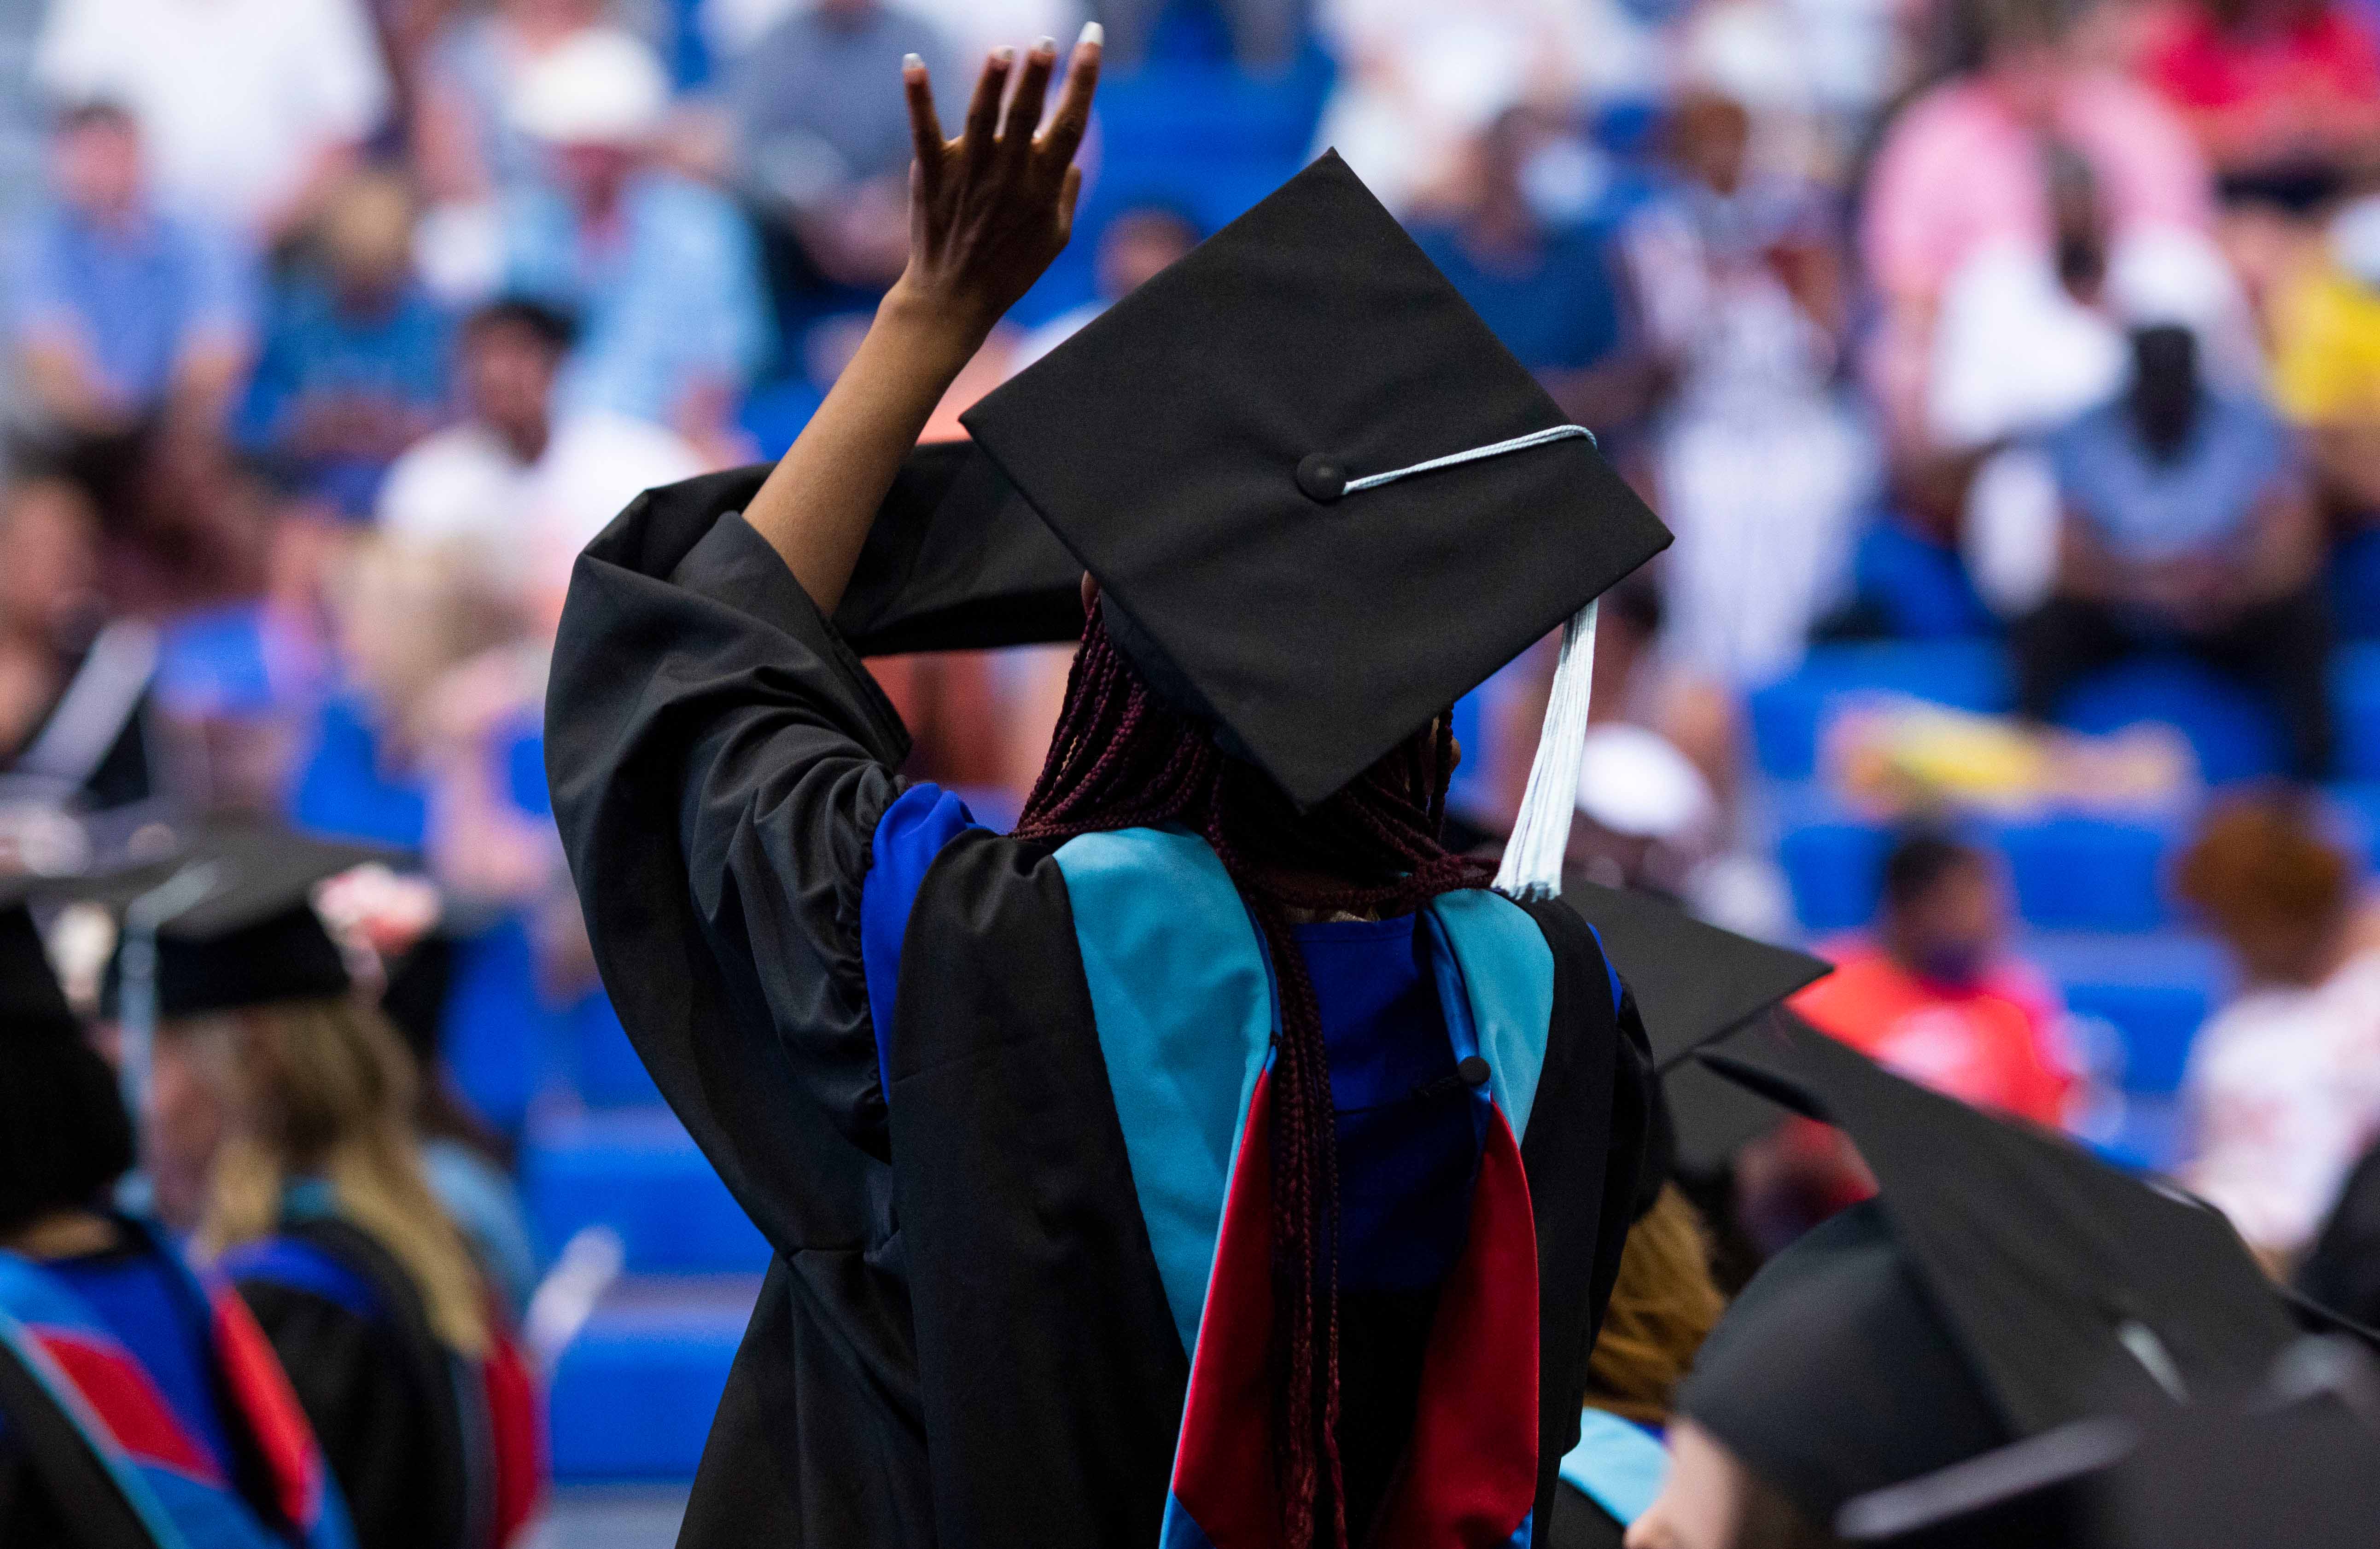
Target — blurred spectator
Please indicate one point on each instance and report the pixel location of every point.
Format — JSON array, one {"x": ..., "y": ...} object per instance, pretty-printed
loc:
[
  {"x": 1137, "y": 245},
  {"x": 2186, "y": 526},
  {"x": 661, "y": 271},
  {"x": 1524, "y": 250},
  {"x": 354, "y": 361},
  {"x": 1935, "y": 992},
  {"x": 2273, "y": 86},
  {"x": 1419, "y": 81},
  {"x": 974, "y": 28},
  {"x": 1965, "y": 165},
  {"x": 2327, "y": 358},
  {"x": 2283, "y": 1088},
  {"x": 1761, "y": 470},
  {"x": 466, "y": 144},
  {"x": 253, "y": 108},
  {"x": 1264, "y": 33},
  {"x": 55, "y": 640},
  {"x": 117, "y": 308},
  {"x": 822, "y": 133},
  {"x": 519, "y": 482}
]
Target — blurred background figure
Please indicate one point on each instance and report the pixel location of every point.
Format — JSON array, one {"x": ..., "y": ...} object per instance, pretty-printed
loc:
[
  {"x": 661, "y": 271},
  {"x": 253, "y": 109},
  {"x": 1761, "y": 468},
  {"x": 466, "y": 145},
  {"x": 2187, "y": 525},
  {"x": 1937, "y": 992},
  {"x": 2283, "y": 1089},
  {"x": 121, "y": 310},
  {"x": 354, "y": 368},
  {"x": 1137, "y": 245}
]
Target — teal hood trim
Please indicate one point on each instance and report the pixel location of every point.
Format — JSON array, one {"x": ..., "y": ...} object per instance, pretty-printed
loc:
[{"x": 1182, "y": 996}]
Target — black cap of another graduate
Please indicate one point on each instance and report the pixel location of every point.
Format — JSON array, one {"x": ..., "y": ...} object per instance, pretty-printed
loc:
[
  {"x": 1321, "y": 500},
  {"x": 32, "y": 1005},
  {"x": 1694, "y": 984},
  {"x": 236, "y": 924},
  {"x": 64, "y": 1133},
  {"x": 2056, "y": 1286}
]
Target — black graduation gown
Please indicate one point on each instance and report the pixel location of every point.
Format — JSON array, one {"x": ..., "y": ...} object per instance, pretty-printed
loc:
[
  {"x": 1580, "y": 1523},
  {"x": 388, "y": 1401},
  {"x": 963, "y": 1339}
]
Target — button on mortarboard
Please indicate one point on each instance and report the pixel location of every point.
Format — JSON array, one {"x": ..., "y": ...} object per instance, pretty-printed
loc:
[{"x": 1178, "y": 444}]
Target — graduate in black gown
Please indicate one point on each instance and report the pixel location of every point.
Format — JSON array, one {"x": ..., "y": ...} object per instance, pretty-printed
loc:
[
  {"x": 1898, "y": 1375},
  {"x": 140, "y": 1408},
  {"x": 1215, "y": 1159},
  {"x": 278, "y": 1120}
]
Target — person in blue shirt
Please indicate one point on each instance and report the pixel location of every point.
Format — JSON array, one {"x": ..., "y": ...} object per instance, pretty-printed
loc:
[
  {"x": 1526, "y": 254},
  {"x": 356, "y": 357},
  {"x": 2188, "y": 527},
  {"x": 663, "y": 273},
  {"x": 117, "y": 308}
]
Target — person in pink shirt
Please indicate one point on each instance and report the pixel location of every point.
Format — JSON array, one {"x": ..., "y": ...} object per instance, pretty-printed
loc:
[{"x": 1963, "y": 168}]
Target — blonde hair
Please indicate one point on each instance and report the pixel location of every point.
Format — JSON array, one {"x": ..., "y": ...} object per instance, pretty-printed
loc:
[
  {"x": 1663, "y": 1305},
  {"x": 325, "y": 1089}
]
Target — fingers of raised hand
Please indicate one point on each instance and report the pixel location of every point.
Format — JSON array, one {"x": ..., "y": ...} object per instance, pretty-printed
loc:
[
  {"x": 1064, "y": 136},
  {"x": 983, "y": 113},
  {"x": 1025, "y": 108},
  {"x": 925, "y": 124}
]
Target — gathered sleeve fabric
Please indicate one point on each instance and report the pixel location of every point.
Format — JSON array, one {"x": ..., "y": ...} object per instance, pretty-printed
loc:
[{"x": 719, "y": 762}]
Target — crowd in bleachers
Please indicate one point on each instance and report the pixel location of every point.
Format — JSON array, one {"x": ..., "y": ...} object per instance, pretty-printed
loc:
[{"x": 2016, "y": 357}]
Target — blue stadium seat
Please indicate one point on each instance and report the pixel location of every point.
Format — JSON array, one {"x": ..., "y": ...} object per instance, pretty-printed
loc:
[
  {"x": 634, "y": 1392},
  {"x": 2355, "y": 585},
  {"x": 608, "y": 1074},
  {"x": 2156, "y": 989},
  {"x": 2355, "y": 693},
  {"x": 2069, "y": 873},
  {"x": 1914, "y": 587},
  {"x": 1788, "y": 715},
  {"x": 636, "y": 1171},
  {"x": 2230, "y": 725}
]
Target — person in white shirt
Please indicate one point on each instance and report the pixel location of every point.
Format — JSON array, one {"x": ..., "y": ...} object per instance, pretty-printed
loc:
[
  {"x": 525, "y": 490},
  {"x": 252, "y": 108}
]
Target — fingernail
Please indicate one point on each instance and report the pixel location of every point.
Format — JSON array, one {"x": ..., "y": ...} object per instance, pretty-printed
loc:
[
  {"x": 1004, "y": 56},
  {"x": 1093, "y": 34},
  {"x": 1047, "y": 45},
  {"x": 912, "y": 62}
]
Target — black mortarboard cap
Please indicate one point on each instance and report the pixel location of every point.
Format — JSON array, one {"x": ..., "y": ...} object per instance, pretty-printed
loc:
[
  {"x": 32, "y": 1004},
  {"x": 954, "y": 560},
  {"x": 239, "y": 927},
  {"x": 1694, "y": 984},
  {"x": 1205, "y": 446},
  {"x": 2069, "y": 1285}
]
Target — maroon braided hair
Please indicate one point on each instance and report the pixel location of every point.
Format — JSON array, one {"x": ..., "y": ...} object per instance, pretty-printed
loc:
[{"x": 1122, "y": 758}]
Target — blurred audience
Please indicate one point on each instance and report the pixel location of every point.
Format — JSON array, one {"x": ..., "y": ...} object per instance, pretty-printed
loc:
[
  {"x": 973, "y": 27},
  {"x": 520, "y": 481},
  {"x": 2327, "y": 360},
  {"x": 252, "y": 108},
  {"x": 661, "y": 271},
  {"x": 1963, "y": 166},
  {"x": 1936, "y": 991},
  {"x": 466, "y": 144},
  {"x": 1523, "y": 248},
  {"x": 2286, "y": 87},
  {"x": 822, "y": 135},
  {"x": 1419, "y": 81},
  {"x": 119, "y": 309},
  {"x": 355, "y": 364},
  {"x": 1761, "y": 468},
  {"x": 2186, "y": 526},
  {"x": 2282, "y": 1093}
]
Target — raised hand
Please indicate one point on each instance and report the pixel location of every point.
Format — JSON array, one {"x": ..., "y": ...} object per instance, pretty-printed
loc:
[{"x": 989, "y": 209}]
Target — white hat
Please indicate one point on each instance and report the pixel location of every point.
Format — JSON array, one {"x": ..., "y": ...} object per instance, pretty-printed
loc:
[
  {"x": 603, "y": 86},
  {"x": 1634, "y": 782},
  {"x": 2166, "y": 276}
]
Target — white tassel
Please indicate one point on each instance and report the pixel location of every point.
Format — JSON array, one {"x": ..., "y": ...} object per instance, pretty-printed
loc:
[{"x": 1533, "y": 860}]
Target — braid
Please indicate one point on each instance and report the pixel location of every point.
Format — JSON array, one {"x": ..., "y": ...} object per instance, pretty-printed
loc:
[{"x": 1122, "y": 758}]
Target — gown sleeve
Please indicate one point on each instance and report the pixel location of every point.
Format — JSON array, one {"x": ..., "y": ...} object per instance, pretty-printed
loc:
[{"x": 720, "y": 761}]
